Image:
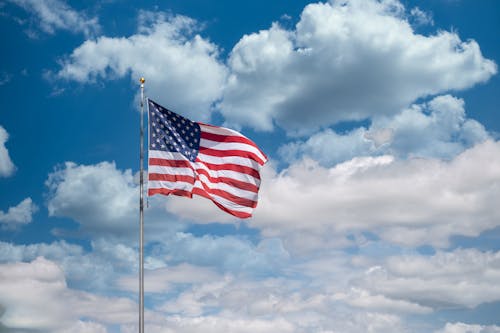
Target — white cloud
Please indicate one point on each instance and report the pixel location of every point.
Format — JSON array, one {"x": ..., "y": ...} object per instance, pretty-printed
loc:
[
  {"x": 160, "y": 280},
  {"x": 100, "y": 197},
  {"x": 52, "y": 15},
  {"x": 205, "y": 212},
  {"x": 346, "y": 60},
  {"x": 35, "y": 297},
  {"x": 215, "y": 324},
  {"x": 412, "y": 202},
  {"x": 85, "y": 327},
  {"x": 421, "y": 17},
  {"x": 438, "y": 128},
  {"x": 181, "y": 68},
  {"x": 467, "y": 328},
  {"x": 18, "y": 215},
  {"x": 57, "y": 250},
  {"x": 297, "y": 305},
  {"x": 96, "y": 270},
  {"x": 7, "y": 168},
  {"x": 330, "y": 148},
  {"x": 363, "y": 299},
  {"x": 230, "y": 254},
  {"x": 301, "y": 299},
  {"x": 462, "y": 278}
]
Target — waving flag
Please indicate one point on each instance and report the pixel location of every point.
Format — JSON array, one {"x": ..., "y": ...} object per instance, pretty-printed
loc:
[{"x": 187, "y": 158}]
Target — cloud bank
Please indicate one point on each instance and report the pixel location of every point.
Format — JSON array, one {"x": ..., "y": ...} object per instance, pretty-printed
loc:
[
  {"x": 435, "y": 129},
  {"x": 345, "y": 60},
  {"x": 410, "y": 202},
  {"x": 35, "y": 297}
]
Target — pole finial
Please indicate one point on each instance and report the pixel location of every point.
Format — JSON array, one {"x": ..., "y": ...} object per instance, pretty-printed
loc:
[{"x": 142, "y": 80}]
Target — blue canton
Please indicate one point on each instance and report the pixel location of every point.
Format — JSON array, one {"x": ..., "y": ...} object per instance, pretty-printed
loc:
[{"x": 169, "y": 131}]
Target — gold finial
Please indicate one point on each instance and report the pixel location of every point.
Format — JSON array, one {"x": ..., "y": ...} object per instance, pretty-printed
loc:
[{"x": 142, "y": 80}]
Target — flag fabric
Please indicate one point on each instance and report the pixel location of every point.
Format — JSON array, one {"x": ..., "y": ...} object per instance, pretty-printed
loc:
[{"x": 187, "y": 158}]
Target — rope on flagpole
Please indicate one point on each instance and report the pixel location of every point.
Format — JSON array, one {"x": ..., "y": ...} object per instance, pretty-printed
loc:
[{"x": 141, "y": 217}]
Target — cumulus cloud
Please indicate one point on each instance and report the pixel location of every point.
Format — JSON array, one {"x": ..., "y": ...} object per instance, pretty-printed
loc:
[
  {"x": 52, "y": 15},
  {"x": 364, "y": 298},
  {"x": 35, "y": 297},
  {"x": 345, "y": 60},
  {"x": 437, "y": 129},
  {"x": 160, "y": 280},
  {"x": 411, "y": 202},
  {"x": 292, "y": 301},
  {"x": 7, "y": 168},
  {"x": 19, "y": 215},
  {"x": 467, "y": 328},
  {"x": 12, "y": 252},
  {"x": 229, "y": 254},
  {"x": 96, "y": 270},
  {"x": 462, "y": 278},
  {"x": 181, "y": 68},
  {"x": 100, "y": 197},
  {"x": 214, "y": 324}
]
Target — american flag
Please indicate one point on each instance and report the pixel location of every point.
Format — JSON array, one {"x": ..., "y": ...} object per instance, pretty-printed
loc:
[{"x": 187, "y": 158}]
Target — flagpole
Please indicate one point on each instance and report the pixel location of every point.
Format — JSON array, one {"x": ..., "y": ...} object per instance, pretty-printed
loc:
[{"x": 141, "y": 217}]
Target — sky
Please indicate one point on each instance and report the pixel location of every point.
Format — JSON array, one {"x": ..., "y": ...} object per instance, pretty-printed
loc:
[{"x": 378, "y": 209}]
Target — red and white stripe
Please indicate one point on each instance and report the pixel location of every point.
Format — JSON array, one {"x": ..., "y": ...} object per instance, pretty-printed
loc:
[{"x": 226, "y": 171}]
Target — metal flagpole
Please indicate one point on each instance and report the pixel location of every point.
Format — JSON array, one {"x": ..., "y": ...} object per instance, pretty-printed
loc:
[{"x": 141, "y": 217}]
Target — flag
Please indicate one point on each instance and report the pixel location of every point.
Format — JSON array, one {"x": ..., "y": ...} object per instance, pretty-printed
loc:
[{"x": 187, "y": 158}]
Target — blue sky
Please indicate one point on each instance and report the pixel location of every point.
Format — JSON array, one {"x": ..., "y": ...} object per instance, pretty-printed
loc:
[{"x": 378, "y": 207}]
